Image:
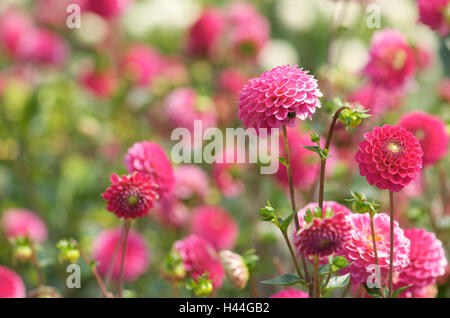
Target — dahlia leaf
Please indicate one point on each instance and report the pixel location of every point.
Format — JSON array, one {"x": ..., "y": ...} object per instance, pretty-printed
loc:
[
  {"x": 400, "y": 290},
  {"x": 285, "y": 279},
  {"x": 337, "y": 282},
  {"x": 285, "y": 223},
  {"x": 323, "y": 153},
  {"x": 374, "y": 292}
]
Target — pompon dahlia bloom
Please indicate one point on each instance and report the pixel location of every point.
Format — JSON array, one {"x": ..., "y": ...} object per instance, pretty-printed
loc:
[
  {"x": 205, "y": 33},
  {"x": 198, "y": 257},
  {"x": 107, "y": 8},
  {"x": 101, "y": 83},
  {"x": 390, "y": 157},
  {"x": 249, "y": 30},
  {"x": 130, "y": 197},
  {"x": 190, "y": 181},
  {"x": 323, "y": 237},
  {"x": 391, "y": 59},
  {"x": 20, "y": 222},
  {"x": 427, "y": 259},
  {"x": 149, "y": 159},
  {"x": 107, "y": 252},
  {"x": 435, "y": 14},
  {"x": 430, "y": 130},
  {"x": 216, "y": 226},
  {"x": 141, "y": 64},
  {"x": 290, "y": 293},
  {"x": 11, "y": 285},
  {"x": 277, "y": 97},
  {"x": 359, "y": 248},
  {"x": 184, "y": 106}
]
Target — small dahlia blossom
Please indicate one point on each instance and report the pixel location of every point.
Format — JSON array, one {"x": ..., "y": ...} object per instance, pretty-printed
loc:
[
  {"x": 290, "y": 293},
  {"x": 427, "y": 259},
  {"x": 101, "y": 83},
  {"x": 431, "y": 132},
  {"x": 141, "y": 64},
  {"x": 359, "y": 248},
  {"x": 215, "y": 225},
  {"x": 277, "y": 97},
  {"x": 107, "y": 252},
  {"x": 190, "y": 181},
  {"x": 149, "y": 159},
  {"x": 435, "y": 14},
  {"x": 391, "y": 59},
  {"x": 20, "y": 222},
  {"x": 390, "y": 157},
  {"x": 235, "y": 269},
  {"x": 107, "y": 8},
  {"x": 205, "y": 33},
  {"x": 130, "y": 197},
  {"x": 11, "y": 285},
  {"x": 198, "y": 257}
]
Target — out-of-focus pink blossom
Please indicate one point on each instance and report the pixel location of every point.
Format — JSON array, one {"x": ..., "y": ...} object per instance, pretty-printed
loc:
[
  {"x": 190, "y": 181},
  {"x": 141, "y": 64},
  {"x": 21, "y": 222},
  {"x": 101, "y": 83},
  {"x": 107, "y": 8},
  {"x": 11, "y": 285},
  {"x": 434, "y": 13},
  {"x": 377, "y": 99}
]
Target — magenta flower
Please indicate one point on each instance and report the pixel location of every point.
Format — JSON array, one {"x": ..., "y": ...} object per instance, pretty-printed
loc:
[
  {"x": 107, "y": 252},
  {"x": 277, "y": 97},
  {"x": 107, "y": 8},
  {"x": 130, "y": 197},
  {"x": 101, "y": 83},
  {"x": 390, "y": 157},
  {"x": 434, "y": 13},
  {"x": 24, "y": 223},
  {"x": 215, "y": 225},
  {"x": 190, "y": 181},
  {"x": 290, "y": 293},
  {"x": 391, "y": 59},
  {"x": 199, "y": 257},
  {"x": 431, "y": 132},
  {"x": 13, "y": 26},
  {"x": 11, "y": 285},
  {"x": 359, "y": 248},
  {"x": 205, "y": 33},
  {"x": 149, "y": 159},
  {"x": 141, "y": 64}
]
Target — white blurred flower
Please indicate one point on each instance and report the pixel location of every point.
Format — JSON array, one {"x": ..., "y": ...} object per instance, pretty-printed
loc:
[
  {"x": 296, "y": 15},
  {"x": 401, "y": 14},
  {"x": 350, "y": 54},
  {"x": 94, "y": 29},
  {"x": 277, "y": 52},
  {"x": 349, "y": 12}
]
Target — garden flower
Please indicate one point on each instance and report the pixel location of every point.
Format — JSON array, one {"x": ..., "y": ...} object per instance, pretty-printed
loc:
[
  {"x": 24, "y": 223},
  {"x": 392, "y": 61},
  {"x": 13, "y": 26},
  {"x": 427, "y": 259},
  {"x": 215, "y": 225},
  {"x": 359, "y": 248},
  {"x": 130, "y": 197},
  {"x": 235, "y": 269},
  {"x": 101, "y": 83},
  {"x": 277, "y": 97},
  {"x": 190, "y": 181},
  {"x": 226, "y": 173},
  {"x": 232, "y": 81},
  {"x": 107, "y": 252},
  {"x": 149, "y": 159},
  {"x": 171, "y": 212},
  {"x": 429, "y": 291},
  {"x": 198, "y": 257},
  {"x": 107, "y": 8},
  {"x": 141, "y": 64},
  {"x": 57, "y": 16},
  {"x": 390, "y": 157},
  {"x": 290, "y": 293},
  {"x": 443, "y": 89},
  {"x": 205, "y": 33},
  {"x": 11, "y": 285},
  {"x": 430, "y": 130},
  {"x": 435, "y": 14}
]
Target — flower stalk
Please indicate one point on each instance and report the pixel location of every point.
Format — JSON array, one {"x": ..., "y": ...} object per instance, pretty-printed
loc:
[{"x": 127, "y": 226}]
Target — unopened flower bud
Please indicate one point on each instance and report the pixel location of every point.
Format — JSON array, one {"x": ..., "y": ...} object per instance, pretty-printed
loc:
[{"x": 235, "y": 269}]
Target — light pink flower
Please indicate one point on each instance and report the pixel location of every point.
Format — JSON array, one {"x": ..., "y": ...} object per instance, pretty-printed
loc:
[
  {"x": 13, "y": 26},
  {"x": 141, "y": 64},
  {"x": 171, "y": 212},
  {"x": 377, "y": 99},
  {"x": 190, "y": 181},
  {"x": 11, "y": 285},
  {"x": 20, "y": 222}
]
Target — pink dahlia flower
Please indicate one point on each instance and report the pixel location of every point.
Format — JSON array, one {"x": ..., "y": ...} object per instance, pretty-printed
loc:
[
  {"x": 392, "y": 61},
  {"x": 232, "y": 81},
  {"x": 390, "y": 157},
  {"x": 183, "y": 106},
  {"x": 11, "y": 285},
  {"x": 130, "y": 197},
  {"x": 377, "y": 99},
  {"x": 431, "y": 132},
  {"x": 107, "y": 8},
  {"x": 427, "y": 259},
  {"x": 435, "y": 14},
  {"x": 107, "y": 252},
  {"x": 102, "y": 83},
  {"x": 20, "y": 222},
  {"x": 290, "y": 293},
  {"x": 205, "y": 33},
  {"x": 57, "y": 16},
  {"x": 13, "y": 26},
  {"x": 359, "y": 248},
  {"x": 149, "y": 159},
  {"x": 142, "y": 64},
  {"x": 190, "y": 181},
  {"x": 215, "y": 225},
  {"x": 199, "y": 257},
  {"x": 249, "y": 30},
  {"x": 277, "y": 97}
]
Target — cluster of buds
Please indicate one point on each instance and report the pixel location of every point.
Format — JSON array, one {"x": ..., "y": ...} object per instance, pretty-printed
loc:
[
  {"x": 23, "y": 251},
  {"x": 173, "y": 267},
  {"x": 360, "y": 204},
  {"x": 351, "y": 118},
  {"x": 202, "y": 286},
  {"x": 235, "y": 268},
  {"x": 310, "y": 215},
  {"x": 68, "y": 251}
]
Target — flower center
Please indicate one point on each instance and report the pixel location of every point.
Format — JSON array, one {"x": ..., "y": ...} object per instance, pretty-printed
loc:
[
  {"x": 446, "y": 13},
  {"x": 132, "y": 200},
  {"x": 399, "y": 59},
  {"x": 394, "y": 147},
  {"x": 324, "y": 243}
]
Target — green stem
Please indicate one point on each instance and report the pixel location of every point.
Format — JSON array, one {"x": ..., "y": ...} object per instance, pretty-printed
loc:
[
  {"x": 391, "y": 257},
  {"x": 127, "y": 226},
  {"x": 294, "y": 259},
  {"x": 374, "y": 243}
]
